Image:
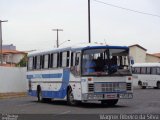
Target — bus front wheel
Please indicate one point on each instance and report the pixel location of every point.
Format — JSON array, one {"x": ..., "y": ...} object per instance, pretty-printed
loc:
[
  {"x": 70, "y": 97},
  {"x": 109, "y": 102},
  {"x": 140, "y": 84}
]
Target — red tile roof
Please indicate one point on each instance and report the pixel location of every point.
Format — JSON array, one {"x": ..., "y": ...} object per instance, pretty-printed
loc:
[
  {"x": 156, "y": 54},
  {"x": 153, "y": 55},
  {"x": 13, "y": 52}
]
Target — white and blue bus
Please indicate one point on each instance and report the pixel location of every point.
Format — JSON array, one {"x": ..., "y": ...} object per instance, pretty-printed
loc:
[{"x": 81, "y": 74}]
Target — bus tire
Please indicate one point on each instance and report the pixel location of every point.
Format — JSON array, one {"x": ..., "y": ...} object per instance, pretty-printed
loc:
[
  {"x": 111, "y": 102},
  {"x": 158, "y": 85},
  {"x": 39, "y": 94},
  {"x": 140, "y": 85},
  {"x": 70, "y": 97}
]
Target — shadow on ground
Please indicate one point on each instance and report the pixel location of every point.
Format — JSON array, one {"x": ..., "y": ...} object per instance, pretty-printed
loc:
[{"x": 81, "y": 105}]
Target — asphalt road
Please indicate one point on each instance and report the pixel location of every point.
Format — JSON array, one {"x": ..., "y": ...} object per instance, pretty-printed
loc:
[{"x": 145, "y": 101}]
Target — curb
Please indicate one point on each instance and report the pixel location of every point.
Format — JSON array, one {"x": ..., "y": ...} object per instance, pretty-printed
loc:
[{"x": 12, "y": 95}]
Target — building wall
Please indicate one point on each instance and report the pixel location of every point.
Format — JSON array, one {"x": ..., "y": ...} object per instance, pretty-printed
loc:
[
  {"x": 12, "y": 79},
  {"x": 138, "y": 54},
  {"x": 17, "y": 57},
  {"x": 12, "y": 58},
  {"x": 151, "y": 58}
]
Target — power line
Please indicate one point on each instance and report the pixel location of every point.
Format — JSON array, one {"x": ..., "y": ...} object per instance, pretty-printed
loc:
[{"x": 140, "y": 12}]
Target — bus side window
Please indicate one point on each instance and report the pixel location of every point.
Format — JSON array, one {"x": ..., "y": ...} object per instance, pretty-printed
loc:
[
  {"x": 158, "y": 71},
  {"x": 34, "y": 62},
  {"x": 143, "y": 70},
  {"x": 46, "y": 59},
  {"x": 51, "y": 61},
  {"x": 60, "y": 59},
  {"x": 71, "y": 59},
  {"x": 42, "y": 61},
  {"x": 148, "y": 70},
  {"x": 30, "y": 63},
  {"x": 75, "y": 63},
  {"x": 78, "y": 66},
  {"x": 55, "y": 59},
  {"x": 68, "y": 58},
  {"x": 154, "y": 70},
  {"x": 38, "y": 63},
  {"x": 64, "y": 59},
  {"x": 137, "y": 70}
]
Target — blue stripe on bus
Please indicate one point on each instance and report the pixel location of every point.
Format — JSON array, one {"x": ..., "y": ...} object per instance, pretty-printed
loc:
[
  {"x": 106, "y": 47},
  {"x": 58, "y": 75},
  {"x": 61, "y": 93}
]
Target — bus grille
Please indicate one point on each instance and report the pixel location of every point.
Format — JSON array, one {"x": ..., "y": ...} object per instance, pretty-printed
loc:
[
  {"x": 110, "y": 87},
  {"x": 90, "y": 87},
  {"x": 129, "y": 86}
]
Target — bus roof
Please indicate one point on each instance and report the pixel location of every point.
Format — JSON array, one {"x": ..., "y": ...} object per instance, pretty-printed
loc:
[
  {"x": 77, "y": 48},
  {"x": 146, "y": 65}
]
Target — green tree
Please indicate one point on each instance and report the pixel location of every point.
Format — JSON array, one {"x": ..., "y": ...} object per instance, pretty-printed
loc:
[{"x": 23, "y": 62}]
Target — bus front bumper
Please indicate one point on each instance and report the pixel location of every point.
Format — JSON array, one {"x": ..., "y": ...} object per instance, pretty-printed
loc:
[{"x": 92, "y": 96}]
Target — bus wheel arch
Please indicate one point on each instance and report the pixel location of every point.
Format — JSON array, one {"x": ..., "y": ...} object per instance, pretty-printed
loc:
[
  {"x": 70, "y": 96},
  {"x": 140, "y": 84}
]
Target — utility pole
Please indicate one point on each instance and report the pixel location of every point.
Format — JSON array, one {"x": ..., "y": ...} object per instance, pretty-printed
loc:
[
  {"x": 57, "y": 35},
  {"x": 89, "y": 23},
  {"x": 1, "y": 43}
]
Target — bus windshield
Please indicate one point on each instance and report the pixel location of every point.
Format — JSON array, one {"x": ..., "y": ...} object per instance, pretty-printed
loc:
[{"x": 110, "y": 62}]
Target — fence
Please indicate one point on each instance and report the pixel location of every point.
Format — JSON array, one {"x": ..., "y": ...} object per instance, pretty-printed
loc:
[{"x": 13, "y": 80}]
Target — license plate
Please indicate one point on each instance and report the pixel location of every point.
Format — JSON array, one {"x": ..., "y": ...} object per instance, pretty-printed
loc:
[
  {"x": 110, "y": 96},
  {"x": 126, "y": 96}
]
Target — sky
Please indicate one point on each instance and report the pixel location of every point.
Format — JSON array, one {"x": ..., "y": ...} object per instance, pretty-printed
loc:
[{"x": 30, "y": 23}]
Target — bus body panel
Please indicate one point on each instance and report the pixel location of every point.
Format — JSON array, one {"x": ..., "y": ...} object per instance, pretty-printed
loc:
[{"x": 54, "y": 83}]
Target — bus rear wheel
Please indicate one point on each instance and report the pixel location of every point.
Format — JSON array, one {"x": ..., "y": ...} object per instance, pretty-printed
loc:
[
  {"x": 109, "y": 102},
  {"x": 70, "y": 97},
  {"x": 39, "y": 95},
  {"x": 158, "y": 85}
]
